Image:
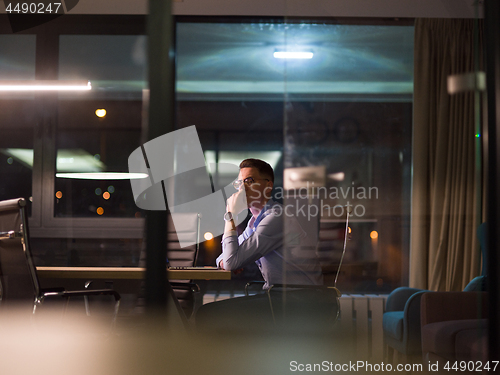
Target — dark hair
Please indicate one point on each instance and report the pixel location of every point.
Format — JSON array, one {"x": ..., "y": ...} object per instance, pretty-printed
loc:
[{"x": 265, "y": 170}]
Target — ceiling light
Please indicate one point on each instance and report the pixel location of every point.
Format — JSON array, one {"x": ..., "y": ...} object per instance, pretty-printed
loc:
[
  {"x": 292, "y": 55},
  {"x": 45, "y": 85},
  {"x": 103, "y": 176}
]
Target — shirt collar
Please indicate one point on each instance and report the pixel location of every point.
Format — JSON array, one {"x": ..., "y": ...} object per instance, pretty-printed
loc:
[{"x": 267, "y": 206}]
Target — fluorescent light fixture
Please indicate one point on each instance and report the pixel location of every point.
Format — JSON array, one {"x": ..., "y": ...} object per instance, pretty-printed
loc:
[
  {"x": 300, "y": 177},
  {"x": 339, "y": 176},
  {"x": 103, "y": 176},
  {"x": 68, "y": 160},
  {"x": 78, "y": 160},
  {"x": 22, "y": 155},
  {"x": 292, "y": 55},
  {"x": 45, "y": 85}
]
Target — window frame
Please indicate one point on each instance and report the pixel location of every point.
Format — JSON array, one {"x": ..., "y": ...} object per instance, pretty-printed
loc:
[{"x": 43, "y": 223}]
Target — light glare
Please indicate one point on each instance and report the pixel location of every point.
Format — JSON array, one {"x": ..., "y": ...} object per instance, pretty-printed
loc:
[
  {"x": 292, "y": 55},
  {"x": 101, "y": 112},
  {"x": 45, "y": 85},
  {"x": 103, "y": 176}
]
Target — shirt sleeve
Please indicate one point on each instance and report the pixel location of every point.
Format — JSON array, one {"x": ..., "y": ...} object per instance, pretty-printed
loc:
[{"x": 239, "y": 251}]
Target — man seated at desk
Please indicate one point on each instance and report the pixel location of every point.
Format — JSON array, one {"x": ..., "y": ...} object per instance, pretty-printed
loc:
[{"x": 272, "y": 242}]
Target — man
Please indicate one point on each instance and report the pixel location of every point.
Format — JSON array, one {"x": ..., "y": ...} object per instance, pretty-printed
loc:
[
  {"x": 263, "y": 241},
  {"x": 277, "y": 253}
]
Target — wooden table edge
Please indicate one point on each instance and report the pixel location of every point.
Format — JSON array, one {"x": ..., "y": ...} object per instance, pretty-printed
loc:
[{"x": 127, "y": 273}]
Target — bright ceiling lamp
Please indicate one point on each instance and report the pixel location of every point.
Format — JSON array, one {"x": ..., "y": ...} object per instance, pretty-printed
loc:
[
  {"x": 293, "y": 55},
  {"x": 45, "y": 85},
  {"x": 103, "y": 176}
]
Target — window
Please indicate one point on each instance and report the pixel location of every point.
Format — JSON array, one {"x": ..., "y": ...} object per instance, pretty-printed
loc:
[
  {"x": 97, "y": 130},
  {"x": 347, "y": 109},
  {"x": 17, "y": 119}
]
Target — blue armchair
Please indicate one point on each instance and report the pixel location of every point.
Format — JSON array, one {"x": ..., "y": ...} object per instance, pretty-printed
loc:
[{"x": 401, "y": 321}]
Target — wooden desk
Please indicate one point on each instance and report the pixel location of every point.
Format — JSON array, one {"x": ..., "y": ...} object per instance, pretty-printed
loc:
[{"x": 127, "y": 273}]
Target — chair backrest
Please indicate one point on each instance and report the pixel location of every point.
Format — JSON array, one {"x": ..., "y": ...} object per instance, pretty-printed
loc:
[
  {"x": 18, "y": 278},
  {"x": 183, "y": 227},
  {"x": 186, "y": 230}
]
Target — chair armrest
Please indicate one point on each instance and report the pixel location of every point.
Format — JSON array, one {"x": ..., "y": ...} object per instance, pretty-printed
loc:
[
  {"x": 396, "y": 301},
  {"x": 300, "y": 286},
  {"x": 446, "y": 306},
  {"x": 192, "y": 286},
  {"x": 82, "y": 293}
]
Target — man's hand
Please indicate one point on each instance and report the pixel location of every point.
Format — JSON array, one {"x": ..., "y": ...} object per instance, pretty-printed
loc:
[{"x": 237, "y": 202}]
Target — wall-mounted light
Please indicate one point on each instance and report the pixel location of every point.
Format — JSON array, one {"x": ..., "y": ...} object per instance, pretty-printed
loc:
[
  {"x": 293, "y": 55},
  {"x": 45, "y": 85}
]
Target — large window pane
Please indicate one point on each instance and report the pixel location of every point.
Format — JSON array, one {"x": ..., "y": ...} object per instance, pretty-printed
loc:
[
  {"x": 88, "y": 143},
  {"x": 17, "y": 119},
  {"x": 346, "y": 109}
]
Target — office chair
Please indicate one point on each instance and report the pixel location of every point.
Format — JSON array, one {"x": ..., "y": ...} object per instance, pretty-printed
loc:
[
  {"x": 19, "y": 284},
  {"x": 318, "y": 297},
  {"x": 186, "y": 292}
]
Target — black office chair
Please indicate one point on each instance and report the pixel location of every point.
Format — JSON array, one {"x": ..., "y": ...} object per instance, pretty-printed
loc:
[
  {"x": 318, "y": 303},
  {"x": 187, "y": 229},
  {"x": 186, "y": 291},
  {"x": 19, "y": 284}
]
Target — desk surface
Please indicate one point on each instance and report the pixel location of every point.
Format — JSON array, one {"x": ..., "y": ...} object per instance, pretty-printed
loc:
[{"x": 128, "y": 273}]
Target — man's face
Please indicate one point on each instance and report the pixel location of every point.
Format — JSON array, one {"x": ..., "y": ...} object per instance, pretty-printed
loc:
[{"x": 259, "y": 191}]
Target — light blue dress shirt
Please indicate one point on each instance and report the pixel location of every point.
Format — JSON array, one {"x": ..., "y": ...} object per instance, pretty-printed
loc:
[{"x": 279, "y": 257}]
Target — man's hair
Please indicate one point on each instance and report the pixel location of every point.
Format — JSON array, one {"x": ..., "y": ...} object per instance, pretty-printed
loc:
[{"x": 265, "y": 170}]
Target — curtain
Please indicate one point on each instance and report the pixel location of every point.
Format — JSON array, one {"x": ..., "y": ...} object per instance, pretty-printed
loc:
[{"x": 444, "y": 250}]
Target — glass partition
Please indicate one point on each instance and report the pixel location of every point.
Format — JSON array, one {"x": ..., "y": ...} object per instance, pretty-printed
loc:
[{"x": 343, "y": 102}]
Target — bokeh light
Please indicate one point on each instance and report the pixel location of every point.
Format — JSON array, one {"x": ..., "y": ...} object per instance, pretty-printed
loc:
[{"x": 101, "y": 112}]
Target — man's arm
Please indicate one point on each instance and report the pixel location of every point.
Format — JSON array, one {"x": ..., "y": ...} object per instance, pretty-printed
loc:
[
  {"x": 240, "y": 251},
  {"x": 235, "y": 204}
]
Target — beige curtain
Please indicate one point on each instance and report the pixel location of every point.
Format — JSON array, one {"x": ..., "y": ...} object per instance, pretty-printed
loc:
[{"x": 444, "y": 251}]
